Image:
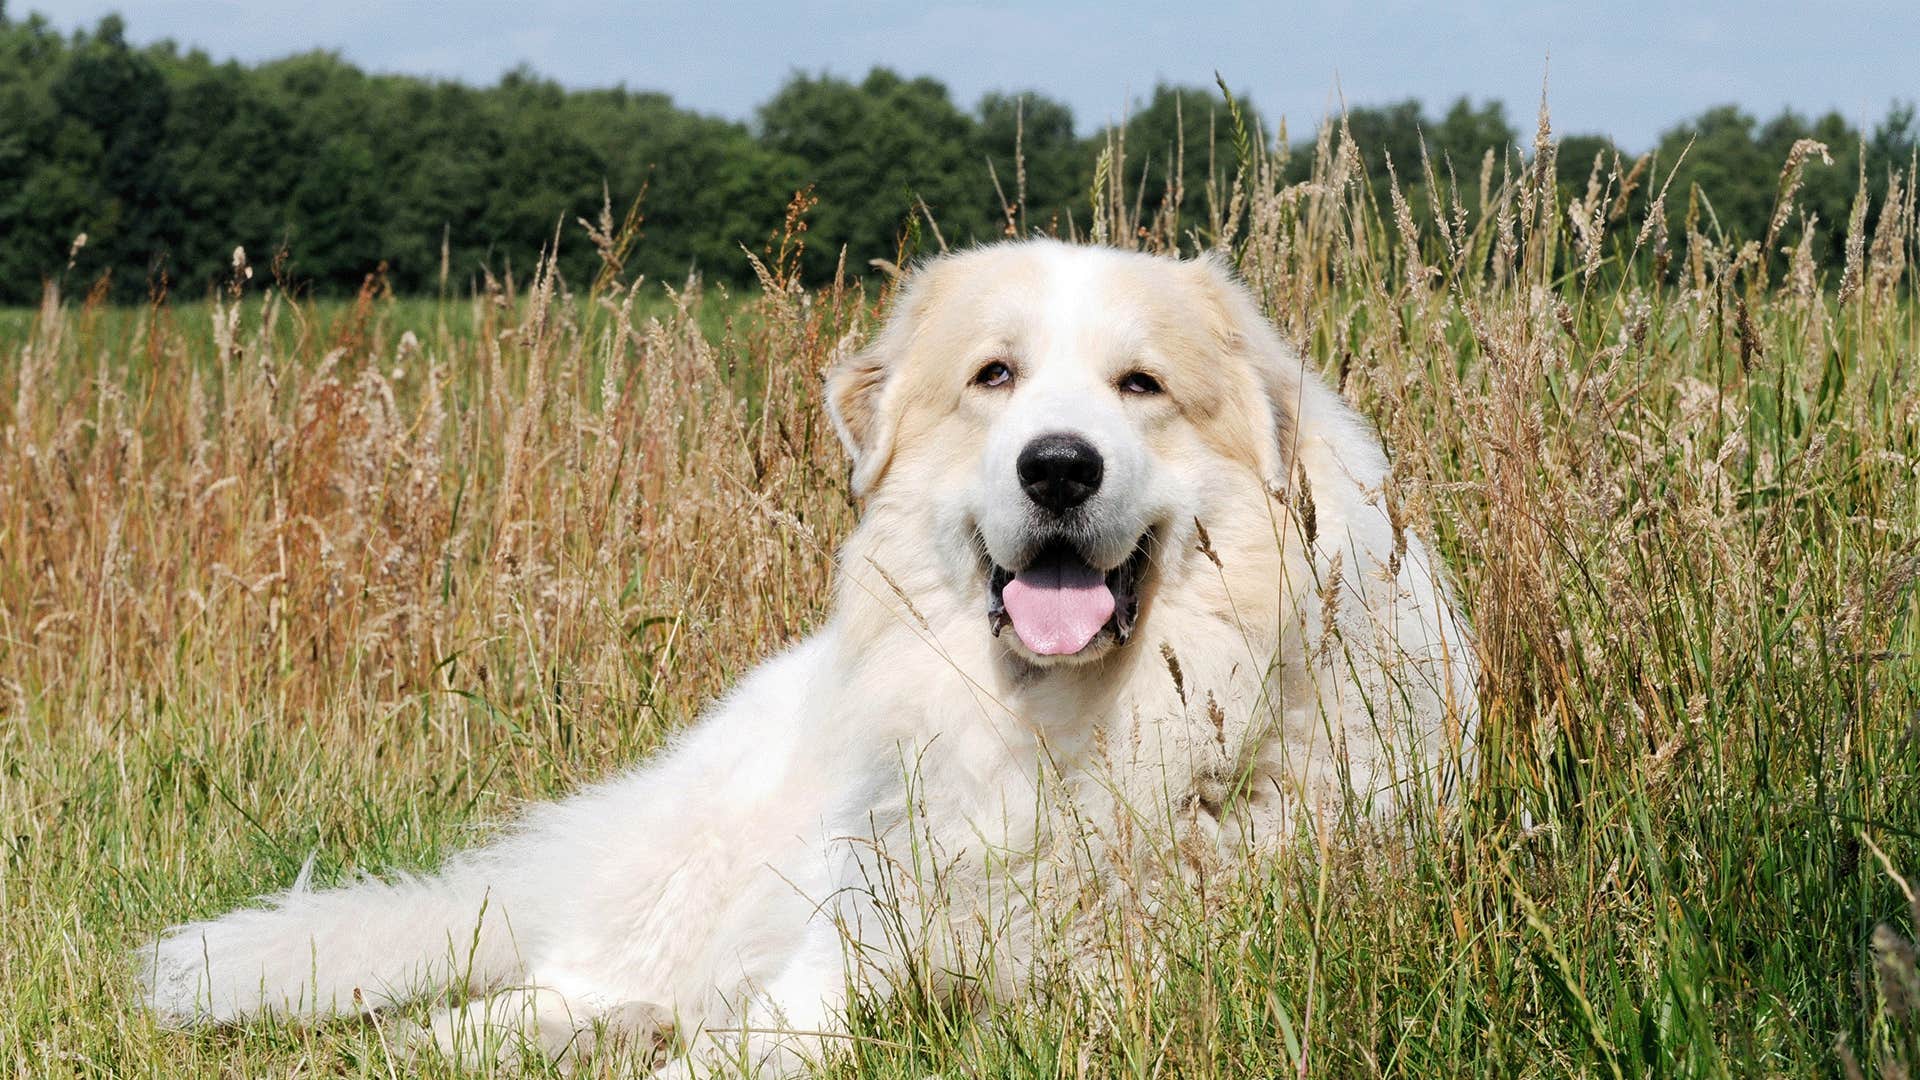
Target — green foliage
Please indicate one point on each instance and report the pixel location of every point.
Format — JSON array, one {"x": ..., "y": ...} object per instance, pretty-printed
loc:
[
  {"x": 330, "y": 176},
  {"x": 1188, "y": 128},
  {"x": 1733, "y": 160},
  {"x": 899, "y": 142},
  {"x": 1055, "y": 159}
]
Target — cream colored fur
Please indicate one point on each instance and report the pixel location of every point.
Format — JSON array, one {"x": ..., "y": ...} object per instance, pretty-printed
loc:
[{"x": 872, "y": 790}]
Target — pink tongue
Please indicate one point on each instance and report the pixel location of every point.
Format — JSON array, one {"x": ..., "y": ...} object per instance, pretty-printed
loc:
[{"x": 1058, "y": 606}]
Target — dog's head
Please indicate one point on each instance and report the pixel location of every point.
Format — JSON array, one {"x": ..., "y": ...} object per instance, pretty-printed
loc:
[{"x": 1061, "y": 420}]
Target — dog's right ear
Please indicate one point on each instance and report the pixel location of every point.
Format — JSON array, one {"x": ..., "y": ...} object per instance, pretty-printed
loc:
[
  {"x": 863, "y": 383},
  {"x": 856, "y": 387}
]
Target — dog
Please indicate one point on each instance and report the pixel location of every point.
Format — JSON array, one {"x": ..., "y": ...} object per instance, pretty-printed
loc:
[{"x": 1120, "y": 555}]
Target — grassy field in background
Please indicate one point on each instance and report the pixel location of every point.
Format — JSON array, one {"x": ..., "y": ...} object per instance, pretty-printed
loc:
[
  {"x": 354, "y": 580},
  {"x": 121, "y": 334}
]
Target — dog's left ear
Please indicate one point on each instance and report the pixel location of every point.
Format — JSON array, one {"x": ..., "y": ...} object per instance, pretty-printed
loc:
[
  {"x": 861, "y": 383},
  {"x": 1241, "y": 330}
]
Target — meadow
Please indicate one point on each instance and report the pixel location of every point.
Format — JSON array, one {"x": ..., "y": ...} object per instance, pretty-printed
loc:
[{"x": 350, "y": 582}]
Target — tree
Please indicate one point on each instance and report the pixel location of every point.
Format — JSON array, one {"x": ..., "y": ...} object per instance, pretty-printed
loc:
[
  {"x": 46, "y": 190},
  {"x": 114, "y": 104},
  {"x": 233, "y": 168},
  {"x": 167, "y": 161},
  {"x": 1191, "y": 126},
  {"x": 873, "y": 152},
  {"x": 1455, "y": 148},
  {"x": 1460, "y": 142},
  {"x": 711, "y": 188},
  {"x": 1055, "y": 158},
  {"x": 1388, "y": 133}
]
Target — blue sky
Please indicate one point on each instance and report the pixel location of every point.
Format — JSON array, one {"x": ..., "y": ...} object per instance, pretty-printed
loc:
[{"x": 1627, "y": 68}]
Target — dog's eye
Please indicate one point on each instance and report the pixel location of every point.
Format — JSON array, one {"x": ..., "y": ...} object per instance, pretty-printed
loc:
[
  {"x": 1139, "y": 382},
  {"x": 993, "y": 374}
]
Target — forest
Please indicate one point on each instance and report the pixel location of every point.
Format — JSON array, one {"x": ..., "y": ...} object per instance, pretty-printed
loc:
[{"x": 137, "y": 170}]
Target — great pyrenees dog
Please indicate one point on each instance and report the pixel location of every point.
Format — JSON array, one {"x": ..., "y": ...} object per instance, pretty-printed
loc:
[{"x": 1126, "y": 576}]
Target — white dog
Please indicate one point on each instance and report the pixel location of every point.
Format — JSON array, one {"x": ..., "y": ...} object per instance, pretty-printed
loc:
[{"x": 1120, "y": 554}]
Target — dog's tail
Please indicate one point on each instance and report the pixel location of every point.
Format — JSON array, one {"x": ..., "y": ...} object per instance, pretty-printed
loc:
[{"x": 344, "y": 950}]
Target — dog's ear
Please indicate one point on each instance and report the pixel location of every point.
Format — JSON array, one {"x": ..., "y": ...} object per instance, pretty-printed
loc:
[
  {"x": 862, "y": 382},
  {"x": 1240, "y": 330},
  {"x": 856, "y": 382}
]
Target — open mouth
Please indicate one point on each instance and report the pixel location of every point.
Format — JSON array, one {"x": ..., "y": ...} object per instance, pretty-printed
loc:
[{"x": 1059, "y": 604}]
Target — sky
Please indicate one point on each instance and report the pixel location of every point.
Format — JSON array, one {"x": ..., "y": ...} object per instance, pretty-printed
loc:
[{"x": 1628, "y": 68}]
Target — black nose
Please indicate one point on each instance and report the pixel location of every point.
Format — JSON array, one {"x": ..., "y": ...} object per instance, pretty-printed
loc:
[{"x": 1060, "y": 471}]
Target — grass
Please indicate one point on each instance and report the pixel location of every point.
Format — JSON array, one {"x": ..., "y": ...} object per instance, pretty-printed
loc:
[{"x": 283, "y": 579}]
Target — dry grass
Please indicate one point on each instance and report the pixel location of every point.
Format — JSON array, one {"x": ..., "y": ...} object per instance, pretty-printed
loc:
[{"x": 277, "y": 580}]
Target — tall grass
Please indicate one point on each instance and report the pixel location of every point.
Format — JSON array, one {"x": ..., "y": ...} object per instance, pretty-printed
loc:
[{"x": 278, "y": 581}]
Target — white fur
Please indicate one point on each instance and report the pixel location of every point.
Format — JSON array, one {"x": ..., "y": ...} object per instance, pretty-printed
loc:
[{"x": 887, "y": 771}]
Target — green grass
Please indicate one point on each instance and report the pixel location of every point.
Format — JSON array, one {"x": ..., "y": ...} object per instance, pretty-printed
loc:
[{"x": 257, "y": 604}]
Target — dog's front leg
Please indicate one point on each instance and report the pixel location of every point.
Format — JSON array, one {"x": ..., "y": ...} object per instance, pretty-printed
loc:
[
  {"x": 528, "y": 1025},
  {"x": 805, "y": 1006},
  {"x": 780, "y": 1029}
]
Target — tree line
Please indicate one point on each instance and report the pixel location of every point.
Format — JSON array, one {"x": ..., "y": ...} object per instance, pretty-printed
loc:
[{"x": 166, "y": 160}]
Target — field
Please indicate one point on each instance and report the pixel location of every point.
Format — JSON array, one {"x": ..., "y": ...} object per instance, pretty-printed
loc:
[{"x": 349, "y": 582}]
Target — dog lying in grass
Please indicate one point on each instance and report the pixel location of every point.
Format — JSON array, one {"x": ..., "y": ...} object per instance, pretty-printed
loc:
[{"x": 1124, "y": 570}]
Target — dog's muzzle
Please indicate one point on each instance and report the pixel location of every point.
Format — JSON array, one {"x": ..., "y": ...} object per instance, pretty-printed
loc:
[{"x": 1059, "y": 604}]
